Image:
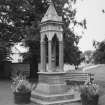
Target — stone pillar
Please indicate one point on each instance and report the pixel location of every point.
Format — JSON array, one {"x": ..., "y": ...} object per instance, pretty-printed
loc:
[
  {"x": 54, "y": 58},
  {"x": 43, "y": 57},
  {"x": 61, "y": 55},
  {"x": 49, "y": 56}
]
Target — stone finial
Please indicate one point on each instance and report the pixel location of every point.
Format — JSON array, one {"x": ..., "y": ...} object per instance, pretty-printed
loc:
[{"x": 50, "y": 2}]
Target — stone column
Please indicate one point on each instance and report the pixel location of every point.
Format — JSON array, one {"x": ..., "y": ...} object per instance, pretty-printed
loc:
[
  {"x": 43, "y": 57},
  {"x": 54, "y": 58},
  {"x": 61, "y": 55},
  {"x": 49, "y": 56}
]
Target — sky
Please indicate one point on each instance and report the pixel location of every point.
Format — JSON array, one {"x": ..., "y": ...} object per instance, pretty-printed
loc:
[{"x": 92, "y": 11}]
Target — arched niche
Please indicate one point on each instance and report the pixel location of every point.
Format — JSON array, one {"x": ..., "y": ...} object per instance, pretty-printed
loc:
[
  {"x": 46, "y": 46},
  {"x": 55, "y": 49}
]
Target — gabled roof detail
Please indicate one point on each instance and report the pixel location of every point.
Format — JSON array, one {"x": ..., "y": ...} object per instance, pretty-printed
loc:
[{"x": 51, "y": 14}]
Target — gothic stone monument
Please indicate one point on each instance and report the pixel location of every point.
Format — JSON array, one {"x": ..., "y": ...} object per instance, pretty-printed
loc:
[{"x": 51, "y": 88}]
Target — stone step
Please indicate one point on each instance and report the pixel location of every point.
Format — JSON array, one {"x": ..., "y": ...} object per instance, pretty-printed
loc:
[
  {"x": 55, "y": 97},
  {"x": 61, "y": 102}
]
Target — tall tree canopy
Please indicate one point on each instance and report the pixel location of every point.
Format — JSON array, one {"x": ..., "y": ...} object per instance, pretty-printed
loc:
[
  {"x": 88, "y": 56},
  {"x": 99, "y": 53},
  {"x": 20, "y": 19}
]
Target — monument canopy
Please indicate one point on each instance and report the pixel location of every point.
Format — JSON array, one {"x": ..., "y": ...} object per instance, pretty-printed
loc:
[{"x": 51, "y": 15}]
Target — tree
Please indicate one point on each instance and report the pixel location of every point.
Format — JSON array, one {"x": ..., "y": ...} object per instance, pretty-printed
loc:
[
  {"x": 103, "y": 11},
  {"x": 72, "y": 54},
  {"x": 20, "y": 19},
  {"x": 3, "y": 51},
  {"x": 99, "y": 53},
  {"x": 88, "y": 56}
]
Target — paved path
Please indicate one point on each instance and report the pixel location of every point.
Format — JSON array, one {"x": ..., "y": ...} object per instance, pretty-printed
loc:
[{"x": 6, "y": 95}]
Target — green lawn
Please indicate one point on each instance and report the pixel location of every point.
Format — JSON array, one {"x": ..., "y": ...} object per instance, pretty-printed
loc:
[{"x": 99, "y": 72}]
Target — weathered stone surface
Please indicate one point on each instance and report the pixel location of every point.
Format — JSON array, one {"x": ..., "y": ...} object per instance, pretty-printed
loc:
[
  {"x": 61, "y": 102},
  {"x": 51, "y": 83},
  {"x": 51, "y": 98},
  {"x": 51, "y": 15},
  {"x": 52, "y": 78},
  {"x": 52, "y": 90}
]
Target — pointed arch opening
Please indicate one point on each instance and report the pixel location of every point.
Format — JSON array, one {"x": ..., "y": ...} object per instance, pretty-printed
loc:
[
  {"x": 55, "y": 50},
  {"x": 46, "y": 47}
]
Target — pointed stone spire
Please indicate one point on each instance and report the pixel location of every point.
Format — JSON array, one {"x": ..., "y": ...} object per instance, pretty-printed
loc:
[
  {"x": 51, "y": 14},
  {"x": 50, "y": 2}
]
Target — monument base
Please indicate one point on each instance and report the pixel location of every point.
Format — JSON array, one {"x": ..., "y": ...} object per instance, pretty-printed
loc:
[{"x": 52, "y": 90}]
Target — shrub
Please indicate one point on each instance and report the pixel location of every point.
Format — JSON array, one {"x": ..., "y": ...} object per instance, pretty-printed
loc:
[
  {"x": 21, "y": 84},
  {"x": 89, "y": 94}
]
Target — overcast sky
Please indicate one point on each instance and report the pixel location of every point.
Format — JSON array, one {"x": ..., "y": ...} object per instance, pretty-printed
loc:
[{"x": 92, "y": 11}]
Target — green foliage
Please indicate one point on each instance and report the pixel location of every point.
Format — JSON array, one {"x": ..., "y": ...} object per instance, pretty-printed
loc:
[
  {"x": 20, "y": 19},
  {"x": 17, "y": 15},
  {"x": 72, "y": 54},
  {"x": 103, "y": 11},
  {"x": 89, "y": 94},
  {"x": 21, "y": 85},
  {"x": 4, "y": 49},
  {"x": 88, "y": 56},
  {"x": 99, "y": 54}
]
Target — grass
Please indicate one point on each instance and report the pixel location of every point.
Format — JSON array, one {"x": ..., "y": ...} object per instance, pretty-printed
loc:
[{"x": 99, "y": 72}]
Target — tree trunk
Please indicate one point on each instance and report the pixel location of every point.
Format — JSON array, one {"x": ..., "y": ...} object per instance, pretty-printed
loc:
[
  {"x": 76, "y": 67},
  {"x": 33, "y": 69}
]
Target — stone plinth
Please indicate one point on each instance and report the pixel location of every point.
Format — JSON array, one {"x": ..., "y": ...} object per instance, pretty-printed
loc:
[
  {"x": 51, "y": 83},
  {"x": 52, "y": 90}
]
